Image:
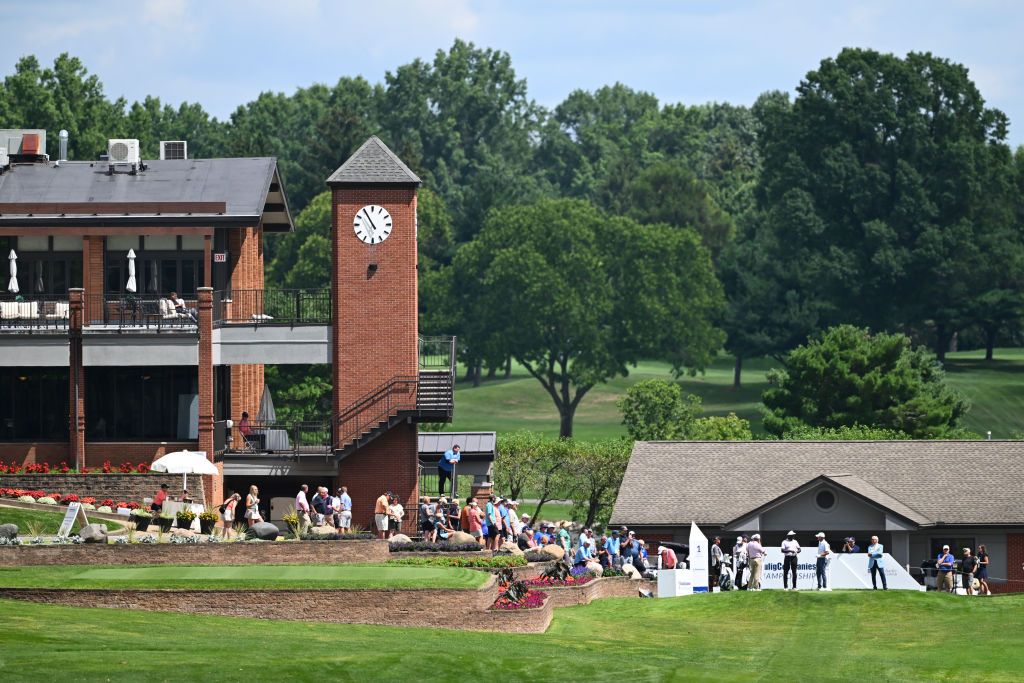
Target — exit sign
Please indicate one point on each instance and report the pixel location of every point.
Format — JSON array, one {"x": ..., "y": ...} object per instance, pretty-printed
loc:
[{"x": 220, "y": 258}]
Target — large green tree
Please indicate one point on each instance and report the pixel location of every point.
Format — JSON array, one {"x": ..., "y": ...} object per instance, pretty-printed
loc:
[
  {"x": 876, "y": 184},
  {"x": 848, "y": 376},
  {"x": 576, "y": 295}
]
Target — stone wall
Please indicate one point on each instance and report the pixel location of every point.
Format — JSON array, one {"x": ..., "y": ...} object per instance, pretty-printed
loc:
[
  {"x": 131, "y": 488},
  {"x": 229, "y": 553}
]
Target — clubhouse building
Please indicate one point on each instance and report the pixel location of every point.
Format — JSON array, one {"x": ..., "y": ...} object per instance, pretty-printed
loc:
[
  {"x": 97, "y": 364},
  {"x": 916, "y": 496}
]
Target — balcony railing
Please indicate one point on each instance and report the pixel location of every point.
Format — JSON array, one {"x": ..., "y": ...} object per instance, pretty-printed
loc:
[
  {"x": 437, "y": 353},
  {"x": 272, "y": 306},
  {"x": 281, "y": 437},
  {"x": 35, "y": 313},
  {"x": 138, "y": 312}
]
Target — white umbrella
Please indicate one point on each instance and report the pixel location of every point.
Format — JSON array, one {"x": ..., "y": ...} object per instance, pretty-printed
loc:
[
  {"x": 184, "y": 463},
  {"x": 12, "y": 286},
  {"x": 130, "y": 287}
]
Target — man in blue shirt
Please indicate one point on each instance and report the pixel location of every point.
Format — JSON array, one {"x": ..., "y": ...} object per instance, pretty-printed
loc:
[
  {"x": 875, "y": 564},
  {"x": 584, "y": 553},
  {"x": 612, "y": 546},
  {"x": 944, "y": 563},
  {"x": 345, "y": 515},
  {"x": 446, "y": 467}
]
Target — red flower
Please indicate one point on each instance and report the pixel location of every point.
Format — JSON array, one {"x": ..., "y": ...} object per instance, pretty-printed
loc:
[
  {"x": 70, "y": 498},
  {"x": 108, "y": 502},
  {"x": 143, "y": 468},
  {"x": 63, "y": 468},
  {"x": 107, "y": 467},
  {"x": 89, "y": 500},
  {"x": 126, "y": 467}
]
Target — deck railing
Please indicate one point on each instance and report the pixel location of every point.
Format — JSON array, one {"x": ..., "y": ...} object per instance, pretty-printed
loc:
[
  {"x": 138, "y": 312},
  {"x": 35, "y": 313},
  {"x": 272, "y": 306}
]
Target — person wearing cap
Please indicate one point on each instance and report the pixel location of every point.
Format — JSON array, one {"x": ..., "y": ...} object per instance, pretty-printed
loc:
[
  {"x": 875, "y": 564},
  {"x": 668, "y": 557},
  {"x": 823, "y": 558},
  {"x": 564, "y": 542},
  {"x": 454, "y": 512},
  {"x": 159, "y": 499},
  {"x": 584, "y": 553},
  {"x": 525, "y": 539},
  {"x": 944, "y": 564},
  {"x": 613, "y": 545},
  {"x": 790, "y": 550},
  {"x": 755, "y": 556},
  {"x": 739, "y": 559},
  {"x": 850, "y": 545},
  {"x": 446, "y": 468},
  {"x": 717, "y": 557},
  {"x": 629, "y": 548},
  {"x": 380, "y": 513},
  {"x": 345, "y": 512},
  {"x": 968, "y": 566}
]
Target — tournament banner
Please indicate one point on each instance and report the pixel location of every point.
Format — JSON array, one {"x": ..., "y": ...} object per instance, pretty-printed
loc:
[
  {"x": 698, "y": 558},
  {"x": 846, "y": 570}
]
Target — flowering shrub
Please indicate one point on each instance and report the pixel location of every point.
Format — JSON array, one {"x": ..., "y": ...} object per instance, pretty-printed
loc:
[
  {"x": 567, "y": 581},
  {"x": 70, "y": 498},
  {"x": 499, "y": 562},
  {"x": 208, "y": 516},
  {"x": 47, "y": 500},
  {"x": 535, "y": 556},
  {"x": 26, "y": 499},
  {"x": 33, "y": 468},
  {"x": 63, "y": 467},
  {"x": 185, "y": 515},
  {"x": 352, "y": 536},
  {"x": 143, "y": 468},
  {"x": 104, "y": 509},
  {"x": 443, "y": 547},
  {"x": 532, "y": 600},
  {"x": 88, "y": 499},
  {"x": 107, "y": 502}
]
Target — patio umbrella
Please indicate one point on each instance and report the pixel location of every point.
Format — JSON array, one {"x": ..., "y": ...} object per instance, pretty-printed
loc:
[
  {"x": 266, "y": 414},
  {"x": 130, "y": 287},
  {"x": 184, "y": 463},
  {"x": 12, "y": 286}
]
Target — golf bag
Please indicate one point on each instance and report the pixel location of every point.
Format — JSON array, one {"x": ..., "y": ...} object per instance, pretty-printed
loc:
[{"x": 725, "y": 581}]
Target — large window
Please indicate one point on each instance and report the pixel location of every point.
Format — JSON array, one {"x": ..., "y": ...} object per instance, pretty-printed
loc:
[
  {"x": 47, "y": 265},
  {"x": 34, "y": 404},
  {"x": 141, "y": 403},
  {"x": 163, "y": 263}
]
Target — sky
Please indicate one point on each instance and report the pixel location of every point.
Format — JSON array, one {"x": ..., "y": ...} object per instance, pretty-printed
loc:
[{"x": 223, "y": 53}]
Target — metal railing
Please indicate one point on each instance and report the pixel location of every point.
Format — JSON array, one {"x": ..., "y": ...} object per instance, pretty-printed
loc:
[
  {"x": 437, "y": 353},
  {"x": 280, "y": 437},
  {"x": 35, "y": 313},
  {"x": 373, "y": 408},
  {"x": 272, "y": 306},
  {"x": 138, "y": 312}
]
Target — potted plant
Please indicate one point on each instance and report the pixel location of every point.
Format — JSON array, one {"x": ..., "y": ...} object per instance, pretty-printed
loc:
[
  {"x": 185, "y": 518},
  {"x": 165, "y": 520},
  {"x": 291, "y": 518},
  {"x": 142, "y": 517},
  {"x": 207, "y": 520}
]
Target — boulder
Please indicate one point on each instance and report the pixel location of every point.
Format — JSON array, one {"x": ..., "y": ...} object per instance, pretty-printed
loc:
[
  {"x": 595, "y": 568},
  {"x": 555, "y": 551},
  {"x": 94, "y": 533},
  {"x": 265, "y": 531},
  {"x": 8, "y": 531},
  {"x": 399, "y": 538},
  {"x": 508, "y": 548},
  {"x": 460, "y": 537},
  {"x": 631, "y": 572}
]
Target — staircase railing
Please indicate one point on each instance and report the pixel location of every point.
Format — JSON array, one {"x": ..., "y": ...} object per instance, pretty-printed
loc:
[{"x": 384, "y": 402}]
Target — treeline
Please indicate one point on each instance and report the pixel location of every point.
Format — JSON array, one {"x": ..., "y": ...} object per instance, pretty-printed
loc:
[{"x": 578, "y": 239}]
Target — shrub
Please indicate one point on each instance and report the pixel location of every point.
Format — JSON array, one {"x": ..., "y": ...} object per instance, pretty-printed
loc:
[
  {"x": 70, "y": 498},
  {"x": 104, "y": 509},
  {"x": 107, "y": 502},
  {"x": 208, "y": 516},
  {"x": 46, "y": 500},
  {"x": 532, "y": 600},
  {"x": 88, "y": 500},
  {"x": 353, "y": 536},
  {"x": 538, "y": 556},
  {"x": 499, "y": 562},
  {"x": 26, "y": 499}
]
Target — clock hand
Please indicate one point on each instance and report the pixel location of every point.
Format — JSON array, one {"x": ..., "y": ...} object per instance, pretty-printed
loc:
[{"x": 367, "y": 214}]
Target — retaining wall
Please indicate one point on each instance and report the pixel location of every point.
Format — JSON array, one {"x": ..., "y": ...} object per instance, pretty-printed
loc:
[{"x": 131, "y": 488}]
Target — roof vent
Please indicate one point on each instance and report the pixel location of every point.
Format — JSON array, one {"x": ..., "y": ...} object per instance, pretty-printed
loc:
[
  {"x": 173, "y": 149},
  {"x": 5, "y": 161},
  {"x": 24, "y": 145}
]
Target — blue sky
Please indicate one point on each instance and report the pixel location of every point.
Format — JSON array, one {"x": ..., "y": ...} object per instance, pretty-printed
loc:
[{"x": 223, "y": 53}]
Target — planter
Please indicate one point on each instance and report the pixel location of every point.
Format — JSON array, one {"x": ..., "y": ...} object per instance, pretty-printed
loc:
[
  {"x": 165, "y": 523},
  {"x": 142, "y": 523},
  {"x": 206, "y": 526},
  {"x": 184, "y": 524}
]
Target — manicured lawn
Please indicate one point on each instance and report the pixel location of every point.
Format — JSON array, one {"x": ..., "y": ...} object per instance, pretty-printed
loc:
[
  {"x": 551, "y": 511},
  {"x": 49, "y": 521},
  {"x": 995, "y": 388},
  {"x": 246, "y": 576},
  {"x": 845, "y": 635}
]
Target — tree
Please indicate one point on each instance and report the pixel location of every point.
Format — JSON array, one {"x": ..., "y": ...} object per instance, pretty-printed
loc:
[
  {"x": 848, "y": 376},
  {"x": 594, "y": 472},
  {"x": 575, "y": 296},
  {"x": 845, "y": 433},
  {"x": 517, "y": 459},
  {"x": 729, "y": 427},
  {"x": 876, "y": 182},
  {"x": 656, "y": 410}
]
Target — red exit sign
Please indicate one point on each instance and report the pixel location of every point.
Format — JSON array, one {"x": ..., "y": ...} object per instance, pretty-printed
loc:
[{"x": 220, "y": 258}]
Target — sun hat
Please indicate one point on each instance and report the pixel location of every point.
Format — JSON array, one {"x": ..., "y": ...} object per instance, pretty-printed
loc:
[
  {"x": 791, "y": 533},
  {"x": 820, "y": 534},
  {"x": 565, "y": 524},
  {"x": 755, "y": 537}
]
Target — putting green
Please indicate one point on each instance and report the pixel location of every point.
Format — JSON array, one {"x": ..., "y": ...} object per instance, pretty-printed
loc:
[{"x": 250, "y": 576}]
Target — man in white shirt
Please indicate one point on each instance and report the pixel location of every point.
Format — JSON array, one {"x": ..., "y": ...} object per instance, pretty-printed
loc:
[
  {"x": 716, "y": 561},
  {"x": 739, "y": 559},
  {"x": 824, "y": 557},
  {"x": 790, "y": 550},
  {"x": 755, "y": 556},
  {"x": 302, "y": 507}
]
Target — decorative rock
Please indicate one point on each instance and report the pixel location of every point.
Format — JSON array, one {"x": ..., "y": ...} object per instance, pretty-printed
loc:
[
  {"x": 595, "y": 568},
  {"x": 265, "y": 531},
  {"x": 8, "y": 531},
  {"x": 94, "y": 533},
  {"x": 508, "y": 548},
  {"x": 631, "y": 572},
  {"x": 399, "y": 538},
  {"x": 460, "y": 537},
  {"x": 555, "y": 551}
]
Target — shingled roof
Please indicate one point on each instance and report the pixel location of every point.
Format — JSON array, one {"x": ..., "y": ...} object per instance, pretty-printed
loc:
[
  {"x": 373, "y": 163},
  {"x": 669, "y": 483}
]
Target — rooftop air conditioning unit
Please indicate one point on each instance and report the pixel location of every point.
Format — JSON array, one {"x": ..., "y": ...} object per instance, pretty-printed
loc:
[
  {"x": 5, "y": 160},
  {"x": 173, "y": 149},
  {"x": 123, "y": 152}
]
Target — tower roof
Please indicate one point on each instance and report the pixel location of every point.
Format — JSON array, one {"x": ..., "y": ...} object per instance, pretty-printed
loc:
[{"x": 373, "y": 163}]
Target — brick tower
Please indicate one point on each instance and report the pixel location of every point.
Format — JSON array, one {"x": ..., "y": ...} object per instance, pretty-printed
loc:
[{"x": 374, "y": 333}]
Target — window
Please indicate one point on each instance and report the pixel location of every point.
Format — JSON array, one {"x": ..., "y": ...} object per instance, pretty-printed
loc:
[
  {"x": 825, "y": 500},
  {"x": 34, "y": 404},
  {"x": 161, "y": 266},
  {"x": 47, "y": 265},
  {"x": 139, "y": 403}
]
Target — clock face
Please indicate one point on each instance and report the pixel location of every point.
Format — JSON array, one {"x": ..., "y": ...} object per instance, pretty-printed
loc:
[{"x": 372, "y": 224}]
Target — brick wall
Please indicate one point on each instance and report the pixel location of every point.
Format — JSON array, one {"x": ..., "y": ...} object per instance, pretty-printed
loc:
[
  {"x": 134, "y": 452},
  {"x": 229, "y": 553},
  {"x": 375, "y": 316},
  {"x": 35, "y": 453},
  {"x": 246, "y": 390},
  {"x": 132, "y": 488},
  {"x": 92, "y": 276},
  {"x": 389, "y": 462},
  {"x": 1014, "y": 564}
]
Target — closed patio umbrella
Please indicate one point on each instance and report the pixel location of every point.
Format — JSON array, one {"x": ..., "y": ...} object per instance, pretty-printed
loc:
[
  {"x": 266, "y": 414},
  {"x": 131, "y": 287},
  {"x": 12, "y": 286}
]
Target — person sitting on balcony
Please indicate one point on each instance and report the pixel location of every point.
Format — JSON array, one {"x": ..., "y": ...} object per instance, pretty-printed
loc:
[{"x": 181, "y": 309}]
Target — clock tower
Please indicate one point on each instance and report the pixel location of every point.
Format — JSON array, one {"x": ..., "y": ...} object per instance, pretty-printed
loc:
[{"x": 374, "y": 333}]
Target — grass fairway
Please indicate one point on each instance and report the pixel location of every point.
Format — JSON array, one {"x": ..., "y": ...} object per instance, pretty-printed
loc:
[
  {"x": 49, "y": 522},
  {"x": 844, "y": 635},
  {"x": 995, "y": 388},
  {"x": 245, "y": 576}
]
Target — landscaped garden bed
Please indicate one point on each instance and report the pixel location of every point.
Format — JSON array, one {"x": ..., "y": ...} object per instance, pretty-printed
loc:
[
  {"x": 443, "y": 547},
  {"x": 497, "y": 562}
]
